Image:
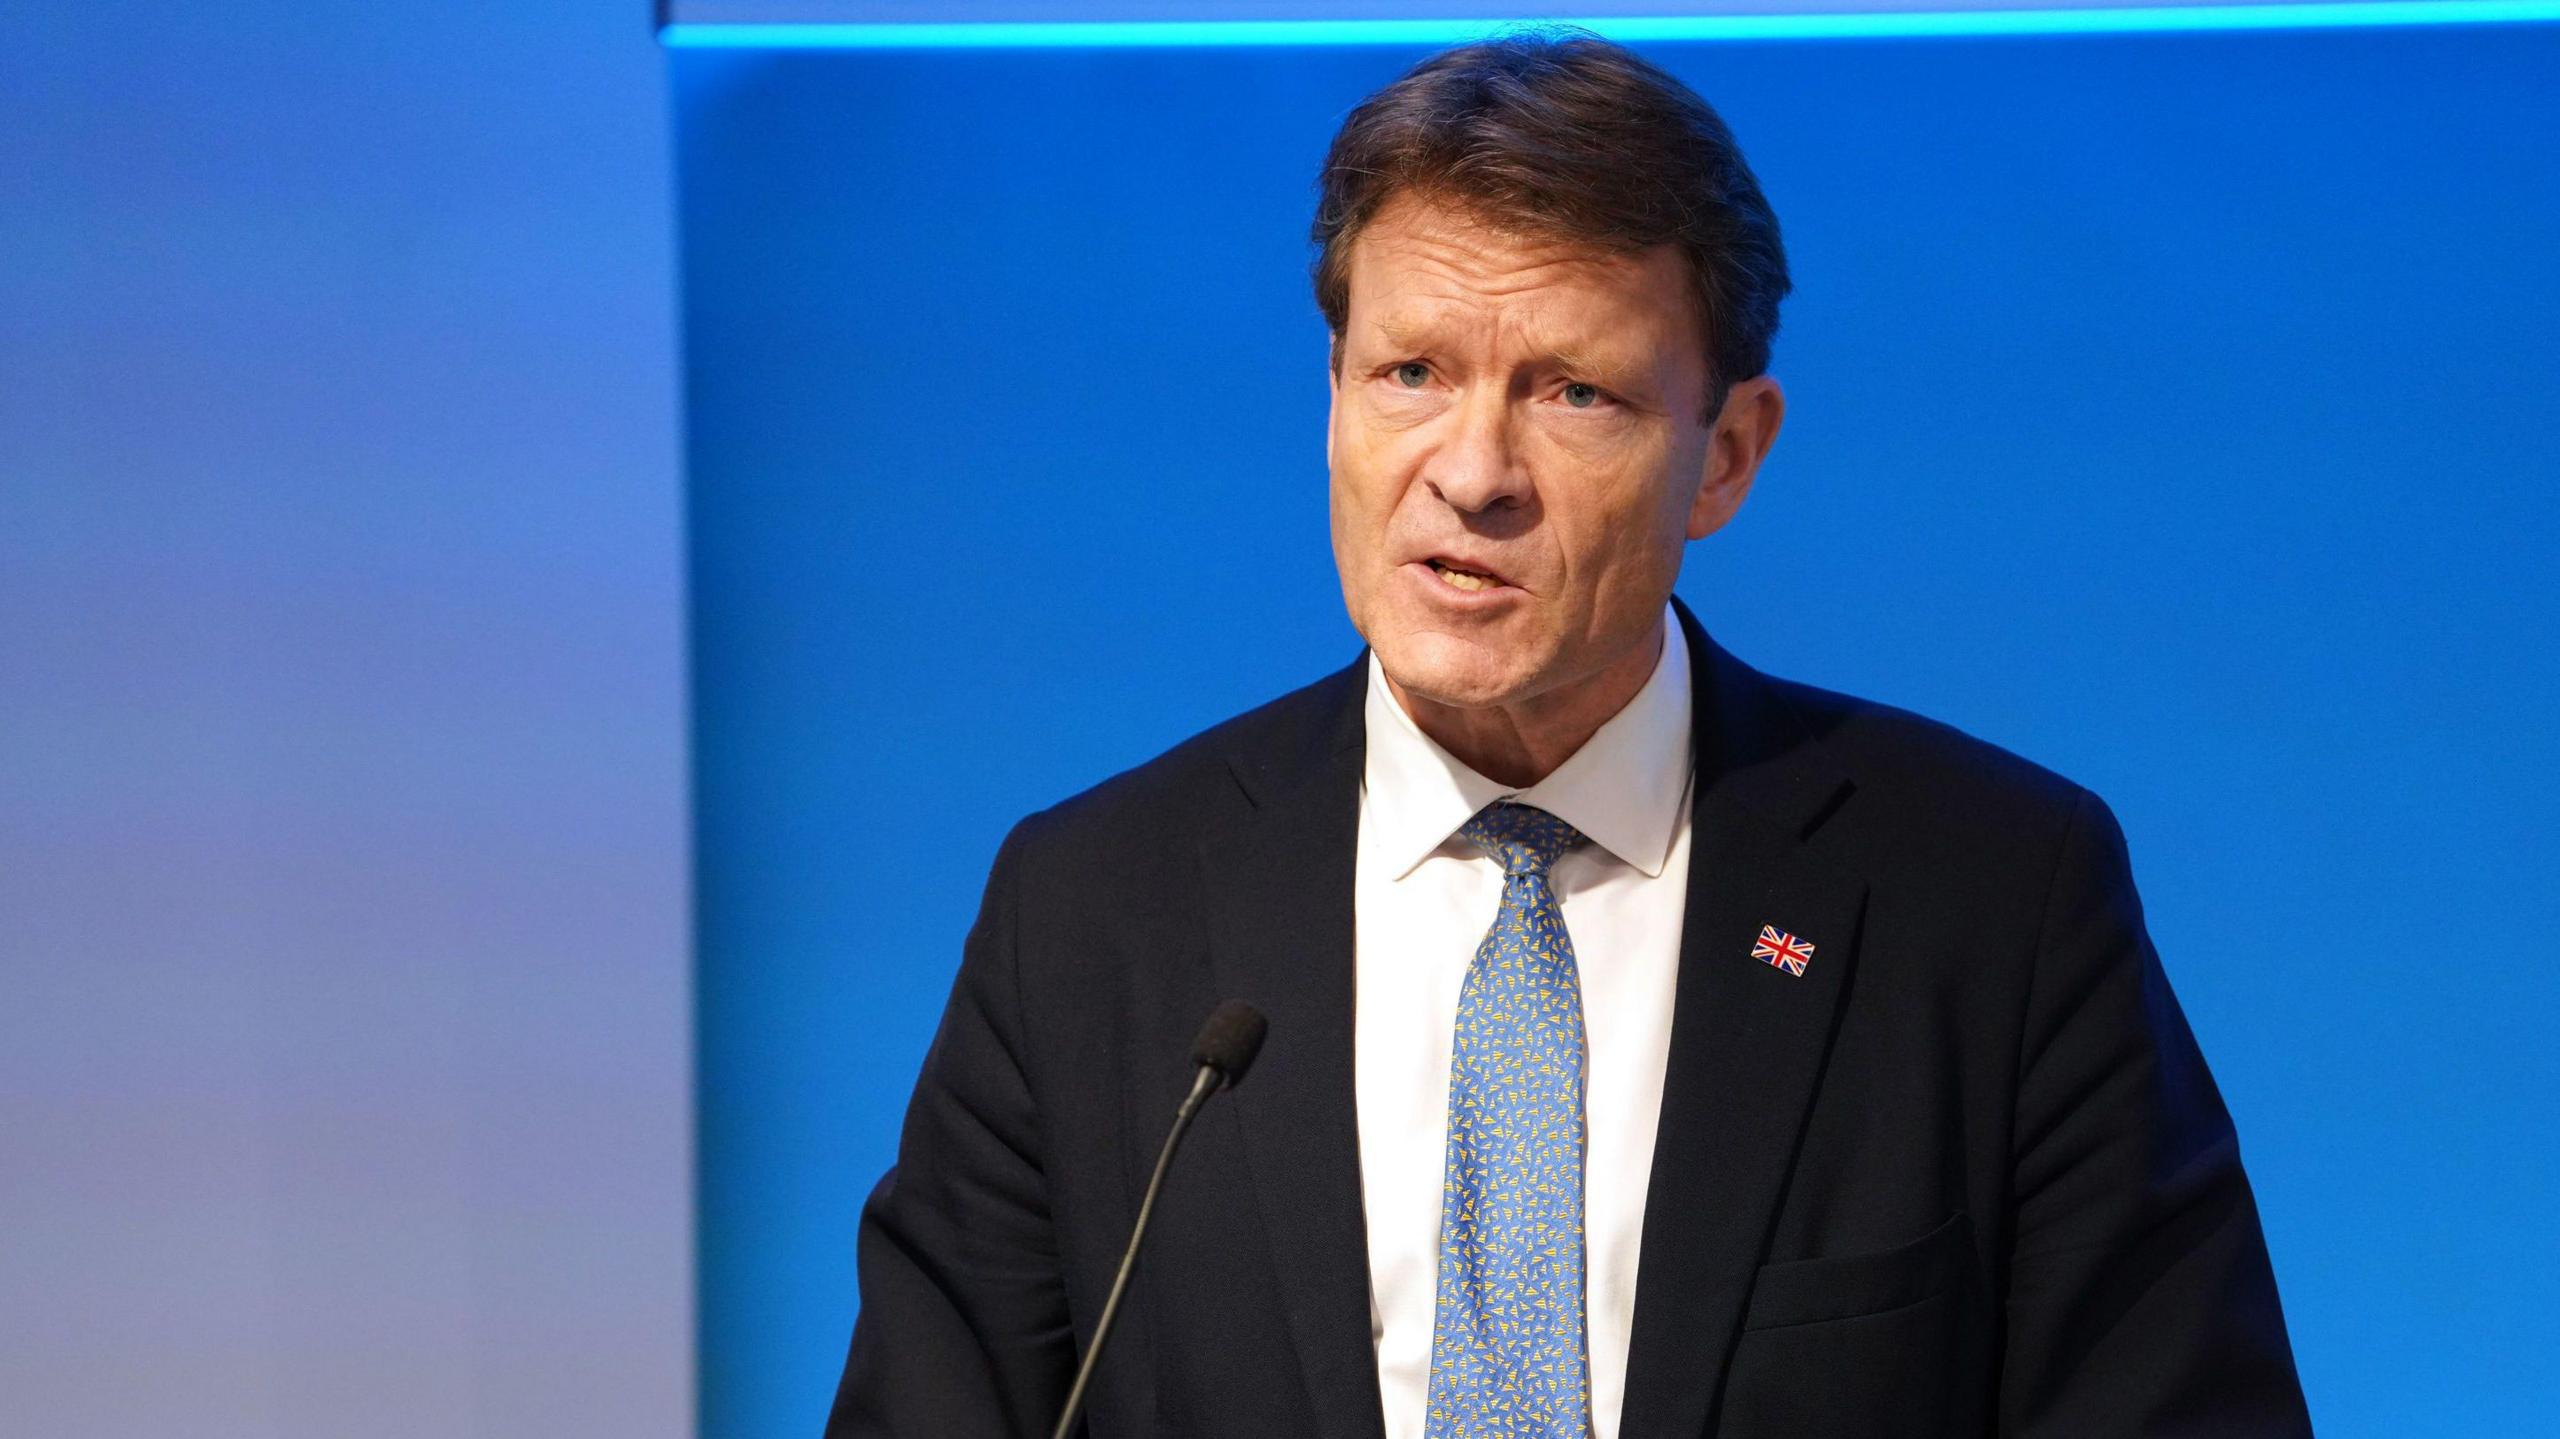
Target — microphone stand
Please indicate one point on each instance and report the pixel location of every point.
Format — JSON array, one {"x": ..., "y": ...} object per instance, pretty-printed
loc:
[{"x": 1202, "y": 1086}]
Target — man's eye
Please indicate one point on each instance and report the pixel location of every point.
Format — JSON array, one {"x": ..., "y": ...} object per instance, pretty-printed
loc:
[
  {"x": 1581, "y": 396},
  {"x": 1412, "y": 374}
]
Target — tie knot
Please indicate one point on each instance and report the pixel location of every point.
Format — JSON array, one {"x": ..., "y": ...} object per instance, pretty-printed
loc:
[{"x": 1525, "y": 838}]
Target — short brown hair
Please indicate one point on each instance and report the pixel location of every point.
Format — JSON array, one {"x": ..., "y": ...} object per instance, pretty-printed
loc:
[{"x": 1556, "y": 133}]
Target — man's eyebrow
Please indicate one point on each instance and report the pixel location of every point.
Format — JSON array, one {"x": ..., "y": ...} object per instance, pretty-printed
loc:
[
  {"x": 1581, "y": 358},
  {"x": 1609, "y": 368},
  {"x": 1409, "y": 335}
]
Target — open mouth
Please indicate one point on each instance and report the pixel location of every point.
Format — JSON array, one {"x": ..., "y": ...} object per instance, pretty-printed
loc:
[{"x": 1469, "y": 580}]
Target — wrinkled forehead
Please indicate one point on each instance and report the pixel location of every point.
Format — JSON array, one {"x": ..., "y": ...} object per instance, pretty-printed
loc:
[{"x": 1424, "y": 279}]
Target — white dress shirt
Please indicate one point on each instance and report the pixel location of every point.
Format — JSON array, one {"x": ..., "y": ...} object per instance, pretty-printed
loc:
[{"x": 1422, "y": 899}]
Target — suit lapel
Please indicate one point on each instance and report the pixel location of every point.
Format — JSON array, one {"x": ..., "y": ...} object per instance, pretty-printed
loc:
[
  {"x": 1748, "y": 1040},
  {"x": 1283, "y": 936}
]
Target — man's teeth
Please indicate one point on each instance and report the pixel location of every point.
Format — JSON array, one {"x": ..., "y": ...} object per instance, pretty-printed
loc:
[{"x": 1462, "y": 579}]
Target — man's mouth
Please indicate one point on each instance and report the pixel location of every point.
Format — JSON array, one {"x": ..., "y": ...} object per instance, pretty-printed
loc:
[{"x": 1457, "y": 578}]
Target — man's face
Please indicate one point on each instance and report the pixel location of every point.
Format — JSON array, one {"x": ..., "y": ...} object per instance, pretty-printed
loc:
[{"x": 1518, "y": 453}]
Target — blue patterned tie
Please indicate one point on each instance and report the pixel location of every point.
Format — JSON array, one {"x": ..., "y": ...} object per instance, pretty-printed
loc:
[{"x": 1507, "y": 1354}]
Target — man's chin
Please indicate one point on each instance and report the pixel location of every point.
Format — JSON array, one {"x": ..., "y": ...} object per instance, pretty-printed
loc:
[{"x": 1456, "y": 674}]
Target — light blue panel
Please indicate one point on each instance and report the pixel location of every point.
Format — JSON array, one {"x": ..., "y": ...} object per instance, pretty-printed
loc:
[
  {"x": 873, "y": 24},
  {"x": 344, "y": 927},
  {"x": 2173, "y": 409}
]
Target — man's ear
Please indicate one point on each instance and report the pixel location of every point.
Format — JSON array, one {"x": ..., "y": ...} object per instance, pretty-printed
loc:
[
  {"x": 1333, "y": 394},
  {"x": 1744, "y": 431}
]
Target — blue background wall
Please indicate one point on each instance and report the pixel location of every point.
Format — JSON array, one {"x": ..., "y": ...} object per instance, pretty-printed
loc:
[
  {"x": 344, "y": 1080},
  {"x": 2176, "y": 410}
]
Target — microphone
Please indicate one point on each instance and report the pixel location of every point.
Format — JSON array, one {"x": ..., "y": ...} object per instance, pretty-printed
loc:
[{"x": 1224, "y": 1051}]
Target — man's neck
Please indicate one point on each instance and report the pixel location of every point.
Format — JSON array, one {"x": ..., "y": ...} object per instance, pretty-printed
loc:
[{"x": 1519, "y": 744}]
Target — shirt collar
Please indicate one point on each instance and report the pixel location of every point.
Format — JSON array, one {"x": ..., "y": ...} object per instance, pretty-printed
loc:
[{"x": 1622, "y": 789}]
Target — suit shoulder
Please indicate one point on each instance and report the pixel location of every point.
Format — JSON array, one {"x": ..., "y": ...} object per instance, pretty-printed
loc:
[
  {"x": 1928, "y": 766},
  {"x": 1170, "y": 796},
  {"x": 1954, "y": 826}
]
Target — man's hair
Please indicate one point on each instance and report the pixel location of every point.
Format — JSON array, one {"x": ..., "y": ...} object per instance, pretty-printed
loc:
[{"x": 1556, "y": 134}]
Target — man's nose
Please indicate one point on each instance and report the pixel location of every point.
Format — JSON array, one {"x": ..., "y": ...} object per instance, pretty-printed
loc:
[{"x": 1476, "y": 466}]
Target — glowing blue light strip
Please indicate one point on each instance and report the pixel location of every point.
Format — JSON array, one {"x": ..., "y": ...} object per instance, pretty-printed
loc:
[{"x": 1632, "y": 29}]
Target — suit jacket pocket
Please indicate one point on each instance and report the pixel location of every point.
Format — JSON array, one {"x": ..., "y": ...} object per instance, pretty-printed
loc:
[
  {"x": 1810, "y": 1291},
  {"x": 1877, "y": 1345}
]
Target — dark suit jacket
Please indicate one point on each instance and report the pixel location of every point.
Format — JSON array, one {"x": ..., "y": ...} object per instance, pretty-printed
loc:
[{"x": 1966, "y": 1175}]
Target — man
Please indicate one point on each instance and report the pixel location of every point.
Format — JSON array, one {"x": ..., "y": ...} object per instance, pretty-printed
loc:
[{"x": 1657, "y": 1048}]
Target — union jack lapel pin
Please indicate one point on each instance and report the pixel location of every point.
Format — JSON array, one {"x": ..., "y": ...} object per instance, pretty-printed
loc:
[{"x": 1782, "y": 949}]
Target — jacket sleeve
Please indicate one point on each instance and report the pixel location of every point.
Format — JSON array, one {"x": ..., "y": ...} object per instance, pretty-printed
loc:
[
  {"x": 963, "y": 1329},
  {"x": 2139, "y": 1297}
]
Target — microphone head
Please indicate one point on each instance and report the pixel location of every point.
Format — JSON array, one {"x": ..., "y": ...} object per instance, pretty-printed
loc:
[{"x": 1230, "y": 1040}]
